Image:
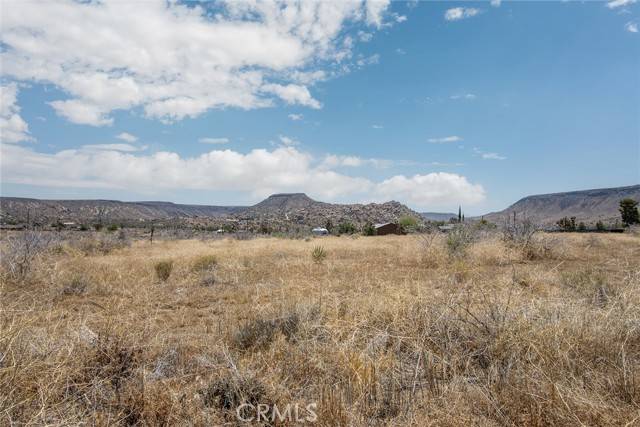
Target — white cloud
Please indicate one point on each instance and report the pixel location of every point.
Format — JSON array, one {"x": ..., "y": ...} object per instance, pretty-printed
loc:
[
  {"x": 467, "y": 96},
  {"x": 112, "y": 147},
  {"x": 12, "y": 127},
  {"x": 375, "y": 11},
  {"x": 493, "y": 156},
  {"x": 293, "y": 94},
  {"x": 259, "y": 173},
  {"x": 332, "y": 161},
  {"x": 377, "y": 126},
  {"x": 457, "y": 13},
  {"x": 127, "y": 137},
  {"x": 445, "y": 139},
  {"x": 180, "y": 60},
  {"x": 496, "y": 3},
  {"x": 401, "y": 51},
  {"x": 295, "y": 117},
  {"x": 213, "y": 140},
  {"x": 439, "y": 189},
  {"x": 364, "y": 36},
  {"x": 619, "y": 3},
  {"x": 632, "y": 27},
  {"x": 289, "y": 142}
]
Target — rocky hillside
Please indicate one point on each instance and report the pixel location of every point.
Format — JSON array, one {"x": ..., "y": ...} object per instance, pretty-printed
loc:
[
  {"x": 297, "y": 208},
  {"x": 587, "y": 205},
  {"x": 278, "y": 212}
]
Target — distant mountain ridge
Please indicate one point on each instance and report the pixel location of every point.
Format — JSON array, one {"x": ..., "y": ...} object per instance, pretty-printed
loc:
[
  {"x": 280, "y": 211},
  {"x": 438, "y": 216},
  {"x": 276, "y": 211},
  {"x": 588, "y": 206},
  {"x": 17, "y": 209}
]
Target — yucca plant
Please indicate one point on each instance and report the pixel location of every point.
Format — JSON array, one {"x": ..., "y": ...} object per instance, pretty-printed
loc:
[{"x": 318, "y": 254}]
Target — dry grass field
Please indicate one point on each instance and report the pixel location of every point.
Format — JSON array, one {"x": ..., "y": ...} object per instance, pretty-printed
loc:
[{"x": 390, "y": 330}]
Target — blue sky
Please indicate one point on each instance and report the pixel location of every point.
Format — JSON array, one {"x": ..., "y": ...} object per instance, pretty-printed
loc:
[{"x": 434, "y": 104}]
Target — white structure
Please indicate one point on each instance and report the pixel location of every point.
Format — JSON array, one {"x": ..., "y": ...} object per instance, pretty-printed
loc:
[{"x": 320, "y": 231}]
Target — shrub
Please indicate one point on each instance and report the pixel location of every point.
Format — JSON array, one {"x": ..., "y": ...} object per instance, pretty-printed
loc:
[
  {"x": 600, "y": 226},
  {"x": 259, "y": 333},
  {"x": 369, "y": 229},
  {"x": 318, "y": 254},
  {"x": 230, "y": 391},
  {"x": 103, "y": 244},
  {"x": 76, "y": 285},
  {"x": 408, "y": 222},
  {"x": 205, "y": 263},
  {"x": 21, "y": 251},
  {"x": 346, "y": 228},
  {"x": 458, "y": 240},
  {"x": 567, "y": 224},
  {"x": 163, "y": 269},
  {"x": 112, "y": 228}
]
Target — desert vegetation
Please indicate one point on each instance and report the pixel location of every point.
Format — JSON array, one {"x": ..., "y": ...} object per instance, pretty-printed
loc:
[{"x": 475, "y": 327}]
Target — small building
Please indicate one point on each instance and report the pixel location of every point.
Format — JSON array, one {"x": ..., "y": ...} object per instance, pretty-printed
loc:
[
  {"x": 388, "y": 228},
  {"x": 446, "y": 228},
  {"x": 320, "y": 231}
]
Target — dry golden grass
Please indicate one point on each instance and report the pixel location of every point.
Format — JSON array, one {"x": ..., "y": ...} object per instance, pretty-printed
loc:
[{"x": 382, "y": 331}]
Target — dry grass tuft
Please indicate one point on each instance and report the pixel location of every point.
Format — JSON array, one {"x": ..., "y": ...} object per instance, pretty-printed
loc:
[{"x": 163, "y": 269}]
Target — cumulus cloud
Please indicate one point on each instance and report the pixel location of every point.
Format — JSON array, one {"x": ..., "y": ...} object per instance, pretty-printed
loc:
[
  {"x": 377, "y": 126},
  {"x": 125, "y": 136},
  {"x": 213, "y": 140},
  {"x": 445, "y": 140},
  {"x": 496, "y": 3},
  {"x": 295, "y": 117},
  {"x": 458, "y": 13},
  {"x": 439, "y": 188},
  {"x": 632, "y": 27},
  {"x": 293, "y": 94},
  {"x": 619, "y": 3},
  {"x": 181, "y": 60},
  {"x": 12, "y": 127},
  {"x": 259, "y": 172}
]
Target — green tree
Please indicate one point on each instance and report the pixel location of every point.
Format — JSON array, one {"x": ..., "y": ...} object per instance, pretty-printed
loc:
[
  {"x": 346, "y": 228},
  {"x": 408, "y": 222},
  {"x": 629, "y": 211},
  {"x": 369, "y": 229},
  {"x": 600, "y": 226},
  {"x": 567, "y": 224},
  {"x": 582, "y": 226}
]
